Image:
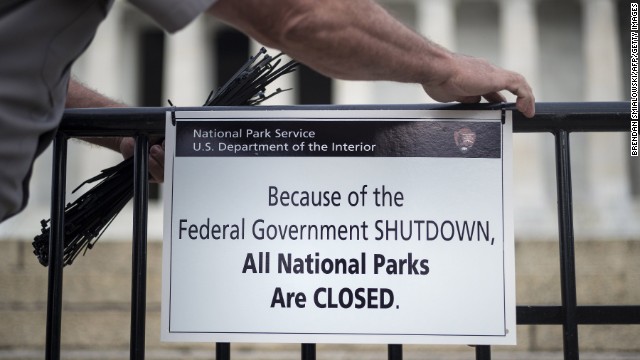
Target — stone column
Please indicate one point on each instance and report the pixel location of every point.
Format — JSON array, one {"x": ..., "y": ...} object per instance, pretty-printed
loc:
[
  {"x": 606, "y": 153},
  {"x": 533, "y": 198},
  {"x": 519, "y": 38},
  {"x": 352, "y": 92},
  {"x": 188, "y": 65},
  {"x": 436, "y": 20},
  {"x": 601, "y": 51}
]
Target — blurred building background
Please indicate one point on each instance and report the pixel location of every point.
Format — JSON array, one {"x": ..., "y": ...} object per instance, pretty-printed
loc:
[{"x": 569, "y": 50}]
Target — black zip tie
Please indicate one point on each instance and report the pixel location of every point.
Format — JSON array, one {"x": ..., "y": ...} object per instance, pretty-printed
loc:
[
  {"x": 88, "y": 217},
  {"x": 173, "y": 112}
]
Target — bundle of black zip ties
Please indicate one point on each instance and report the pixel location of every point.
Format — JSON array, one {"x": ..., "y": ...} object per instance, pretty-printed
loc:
[{"x": 87, "y": 218}]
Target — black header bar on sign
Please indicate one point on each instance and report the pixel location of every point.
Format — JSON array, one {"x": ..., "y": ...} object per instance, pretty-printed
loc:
[{"x": 383, "y": 138}]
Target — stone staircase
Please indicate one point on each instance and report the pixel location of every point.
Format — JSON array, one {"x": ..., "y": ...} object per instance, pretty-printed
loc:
[{"x": 96, "y": 318}]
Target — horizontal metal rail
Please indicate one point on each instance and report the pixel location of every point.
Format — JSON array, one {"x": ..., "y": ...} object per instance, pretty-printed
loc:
[
  {"x": 559, "y": 119},
  {"x": 550, "y": 117},
  {"x": 585, "y": 315}
]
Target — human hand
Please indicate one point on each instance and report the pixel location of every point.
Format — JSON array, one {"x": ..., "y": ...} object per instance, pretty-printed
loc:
[
  {"x": 156, "y": 157},
  {"x": 472, "y": 79}
]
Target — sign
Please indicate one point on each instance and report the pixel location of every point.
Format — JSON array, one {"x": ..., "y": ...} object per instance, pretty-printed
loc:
[{"x": 338, "y": 226}]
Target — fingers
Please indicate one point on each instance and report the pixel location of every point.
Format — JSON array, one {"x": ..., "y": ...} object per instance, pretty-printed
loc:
[
  {"x": 127, "y": 146},
  {"x": 473, "y": 79},
  {"x": 156, "y": 157},
  {"x": 156, "y": 163},
  {"x": 525, "y": 101},
  {"x": 526, "y": 106},
  {"x": 470, "y": 99},
  {"x": 494, "y": 97},
  {"x": 517, "y": 85}
]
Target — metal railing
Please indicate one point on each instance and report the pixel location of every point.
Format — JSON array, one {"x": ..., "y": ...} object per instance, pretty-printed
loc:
[{"x": 559, "y": 119}]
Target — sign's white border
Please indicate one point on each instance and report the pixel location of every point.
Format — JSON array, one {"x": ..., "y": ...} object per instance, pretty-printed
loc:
[{"x": 509, "y": 338}]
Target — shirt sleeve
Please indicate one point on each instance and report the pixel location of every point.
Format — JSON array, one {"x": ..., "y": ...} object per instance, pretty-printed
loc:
[{"x": 173, "y": 15}]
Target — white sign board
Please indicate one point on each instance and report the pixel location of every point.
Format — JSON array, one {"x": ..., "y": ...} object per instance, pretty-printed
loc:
[{"x": 339, "y": 226}]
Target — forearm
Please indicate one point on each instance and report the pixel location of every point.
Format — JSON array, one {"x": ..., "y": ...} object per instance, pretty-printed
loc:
[
  {"x": 80, "y": 96},
  {"x": 359, "y": 40},
  {"x": 353, "y": 40}
]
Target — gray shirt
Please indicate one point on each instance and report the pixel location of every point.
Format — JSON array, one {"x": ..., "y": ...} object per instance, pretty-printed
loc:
[{"x": 40, "y": 40}]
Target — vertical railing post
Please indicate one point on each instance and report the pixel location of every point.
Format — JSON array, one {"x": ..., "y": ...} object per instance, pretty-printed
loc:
[
  {"x": 308, "y": 352},
  {"x": 139, "y": 247},
  {"x": 56, "y": 247},
  {"x": 223, "y": 351},
  {"x": 567, "y": 255},
  {"x": 394, "y": 352},
  {"x": 483, "y": 352}
]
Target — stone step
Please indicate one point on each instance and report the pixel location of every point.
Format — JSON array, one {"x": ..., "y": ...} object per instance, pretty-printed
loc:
[{"x": 97, "y": 294}]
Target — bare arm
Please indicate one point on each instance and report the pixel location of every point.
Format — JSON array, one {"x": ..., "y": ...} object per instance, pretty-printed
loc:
[
  {"x": 80, "y": 96},
  {"x": 359, "y": 40}
]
